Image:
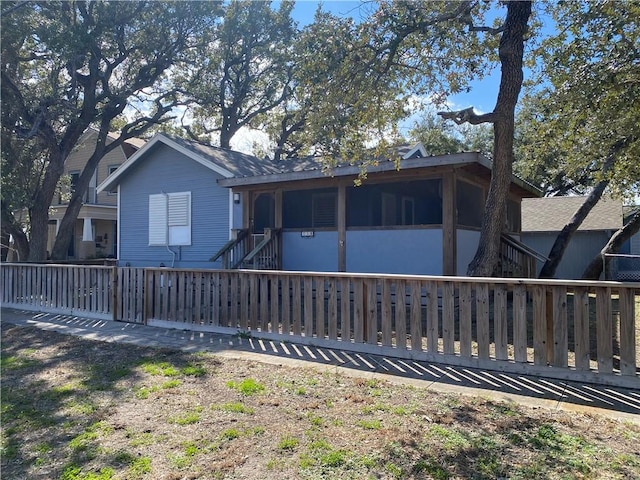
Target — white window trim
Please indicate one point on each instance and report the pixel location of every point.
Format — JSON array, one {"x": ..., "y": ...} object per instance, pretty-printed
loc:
[{"x": 168, "y": 225}]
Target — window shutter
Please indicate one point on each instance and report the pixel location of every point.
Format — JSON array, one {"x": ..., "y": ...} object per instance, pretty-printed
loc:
[
  {"x": 157, "y": 219},
  {"x": 179, "y": 219},
  {"x": 179, "y": 209}
]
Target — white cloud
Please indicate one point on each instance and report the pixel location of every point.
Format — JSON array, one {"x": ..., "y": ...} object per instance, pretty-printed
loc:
[{"x": 244, "y": 140}]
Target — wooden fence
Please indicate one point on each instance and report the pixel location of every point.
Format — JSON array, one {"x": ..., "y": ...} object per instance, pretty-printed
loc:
[
  {"x": 100, "y": 292},
  {"x": 576, "y": 330}
]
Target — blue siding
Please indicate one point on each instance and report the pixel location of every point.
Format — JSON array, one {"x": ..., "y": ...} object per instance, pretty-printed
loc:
[
  {"x": 166, "y": 170},
  {"x": 395, "y": 251},
  {"x": 466, "y": 246},
  {"x": 318, "y": 253},
  {"x": 582, "y": 248}
]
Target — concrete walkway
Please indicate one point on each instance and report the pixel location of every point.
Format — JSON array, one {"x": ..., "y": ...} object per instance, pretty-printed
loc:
[{"x": 618, "y": 403}]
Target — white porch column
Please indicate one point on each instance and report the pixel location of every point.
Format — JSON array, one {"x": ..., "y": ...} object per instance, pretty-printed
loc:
[
  {"x": 87, "y": 231},
  {"x": 87, "y": 245}
]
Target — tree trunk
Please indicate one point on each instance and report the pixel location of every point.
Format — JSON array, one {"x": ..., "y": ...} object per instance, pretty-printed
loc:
[
  {"x": 564, "y": 237},
  {"x": 67, "y": 226},
  {"x": 39, "y": 212},
  {"x": 228, "y": 128},
  {"x": 594, "y": 269},
  {"x": 11, "y": 227},
  {"x": 511, "y": 52}
]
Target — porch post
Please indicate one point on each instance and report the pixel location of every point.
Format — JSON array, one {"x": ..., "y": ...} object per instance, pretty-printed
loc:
[
  {"x": 88, "y": 244},
  {"x": 342, "y": 228},
  {"x": 448, "y": 224},
  {"x": 277, "y": 198},
  {"x": 247, "y": 209}
]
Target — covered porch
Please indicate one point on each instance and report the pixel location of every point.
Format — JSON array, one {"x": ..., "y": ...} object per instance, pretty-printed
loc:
[{"x": 422, "y": 219}]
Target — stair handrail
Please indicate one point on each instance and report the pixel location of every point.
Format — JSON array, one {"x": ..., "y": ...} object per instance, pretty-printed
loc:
[
  {"x": 240, "y": 236},
  {"x": 524, "y": 260},
  {"x": 270, "y": 235},
  {"x": 523, "y": 248}
]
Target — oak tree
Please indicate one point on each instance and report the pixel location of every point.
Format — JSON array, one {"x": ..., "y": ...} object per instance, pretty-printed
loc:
[
  {"x": 583, "y": 126},
  {"x": 70, "y": 65}
]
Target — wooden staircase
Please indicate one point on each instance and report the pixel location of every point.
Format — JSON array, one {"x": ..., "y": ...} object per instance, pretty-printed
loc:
[
  {"x": 237, "y": 252},
  {"x": 517, "y": 260}
]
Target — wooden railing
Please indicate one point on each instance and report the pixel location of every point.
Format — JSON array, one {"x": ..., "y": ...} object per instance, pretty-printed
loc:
[
  {"x": 575, "y": 330},
  {"x": 108, "y": 293},
  {"x": 265, "y": 255},
  {"x": 235, "y": 250},
  {"x": 517, "y": 260}
]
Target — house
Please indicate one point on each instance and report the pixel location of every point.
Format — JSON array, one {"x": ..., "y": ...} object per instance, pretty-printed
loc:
[
  {"x": 182, "y": 203},
  {"x": 95, "y": 233},
  {"x": 626, "y": 266},
  {"x": 544, "y": 218}
]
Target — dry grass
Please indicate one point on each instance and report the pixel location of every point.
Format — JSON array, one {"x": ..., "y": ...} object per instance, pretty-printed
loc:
[{"x": 75, "y": 409}]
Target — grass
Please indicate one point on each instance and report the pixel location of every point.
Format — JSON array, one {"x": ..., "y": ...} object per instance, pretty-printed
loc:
[
  {"x": 246, "y": 387},
  {"x": 288, "y": 443},
  {"x": 234, "y": 407},
  {"x": 82, "y": 410},
  {"x": 187, "y": 418}
]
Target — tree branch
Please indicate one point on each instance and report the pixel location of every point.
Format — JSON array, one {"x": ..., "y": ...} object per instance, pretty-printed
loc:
[{"x": 468, "y": 116}]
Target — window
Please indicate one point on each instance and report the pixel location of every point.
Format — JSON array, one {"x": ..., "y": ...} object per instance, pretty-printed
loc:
[
  {"x": 324, "y": 210},
  {"x": 74, "y": 176},
  {"x": 110, "y": 170},
  {"x": 170, "y": 219},
  {"x": 90, "y": 195}
]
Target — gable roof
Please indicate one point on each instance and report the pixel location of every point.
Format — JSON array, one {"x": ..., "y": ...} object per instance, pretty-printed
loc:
[
  {"x": 551, "y": 214},
  {"x": 227, "y": 163},
  {"x": 239, "y": 169}
]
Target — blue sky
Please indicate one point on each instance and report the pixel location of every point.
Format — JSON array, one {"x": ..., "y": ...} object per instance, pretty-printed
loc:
[{"x": 483, "y": 92}]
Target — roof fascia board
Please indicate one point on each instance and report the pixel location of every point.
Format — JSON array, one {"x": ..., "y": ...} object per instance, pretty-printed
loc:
[{"x": 111, "y": 180}]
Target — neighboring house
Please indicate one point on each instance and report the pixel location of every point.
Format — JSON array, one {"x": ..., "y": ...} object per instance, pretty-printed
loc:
[
  {"x": 180, "y": 202},
  {"x": 95, "y": 233},
  {"x": 544, "y": 218},
  {"x": 626, "y": 267}
]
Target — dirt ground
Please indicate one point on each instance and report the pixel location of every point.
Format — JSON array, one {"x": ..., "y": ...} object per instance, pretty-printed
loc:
[{"x": 76, "y": 409}]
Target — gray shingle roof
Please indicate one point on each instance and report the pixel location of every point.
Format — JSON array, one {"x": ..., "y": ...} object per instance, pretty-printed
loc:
[
  {"x": 237, "y": 163},
  {"x": 551, "y": 214},
  {"x": 238, "y": 169}
]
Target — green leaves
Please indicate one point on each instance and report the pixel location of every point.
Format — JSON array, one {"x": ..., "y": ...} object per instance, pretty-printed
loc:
[{"x": 589, "y": 112}]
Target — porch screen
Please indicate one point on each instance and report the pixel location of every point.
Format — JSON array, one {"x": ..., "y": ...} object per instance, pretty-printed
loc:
[
  {"x": 469, "y": 204},
  {"x": 395, "y": 204},
  {"x": 310, "y": 208}
]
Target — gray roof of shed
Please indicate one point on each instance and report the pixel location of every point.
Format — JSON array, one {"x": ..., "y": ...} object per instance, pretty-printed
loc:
[{"x": 551, "y": 214}]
